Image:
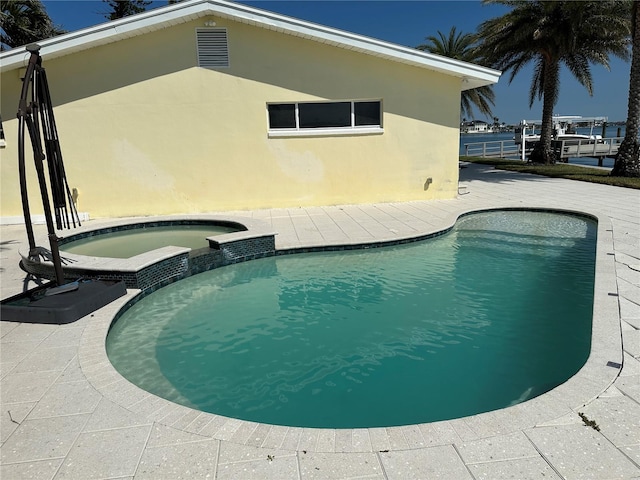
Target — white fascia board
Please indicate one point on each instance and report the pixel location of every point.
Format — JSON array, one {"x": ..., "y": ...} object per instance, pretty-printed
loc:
[
  {"x": 104, "y": 33},
  {"x": 472, "y": 75}
]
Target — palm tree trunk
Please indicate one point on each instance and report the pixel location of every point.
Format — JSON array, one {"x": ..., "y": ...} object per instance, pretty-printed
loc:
[
  {"x": 628, "y": 158},
  {"x": 542, "y": 152}
]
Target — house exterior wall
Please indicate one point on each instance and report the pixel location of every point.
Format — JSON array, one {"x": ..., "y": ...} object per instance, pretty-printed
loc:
[{"x": 145, "y": 131}]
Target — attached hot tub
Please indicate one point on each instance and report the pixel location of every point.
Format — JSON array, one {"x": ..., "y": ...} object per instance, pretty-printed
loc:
[{"x": 147, "y": 254}]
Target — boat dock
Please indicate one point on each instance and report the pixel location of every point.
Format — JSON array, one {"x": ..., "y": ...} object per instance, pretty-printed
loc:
[{"x": 565, "y": 149}]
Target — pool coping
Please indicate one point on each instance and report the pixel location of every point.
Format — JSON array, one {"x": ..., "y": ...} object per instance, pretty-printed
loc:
[{"x": 597, "y": 374}]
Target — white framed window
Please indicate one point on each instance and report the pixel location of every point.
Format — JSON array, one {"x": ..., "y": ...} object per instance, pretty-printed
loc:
[
  {"x": 212, "y": 47},
  {"x": 346, "y": 117}
]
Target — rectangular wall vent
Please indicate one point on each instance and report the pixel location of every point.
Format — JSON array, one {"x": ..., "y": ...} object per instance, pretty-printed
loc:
[{"x": 213, "y": 48}]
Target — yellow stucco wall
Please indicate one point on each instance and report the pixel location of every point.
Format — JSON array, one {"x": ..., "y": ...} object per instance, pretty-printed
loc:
[{"x": 144, "y": 131}]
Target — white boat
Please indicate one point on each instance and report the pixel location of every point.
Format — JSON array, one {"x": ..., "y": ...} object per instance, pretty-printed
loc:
[
  {"x": 564, "y": 128},
  {"x": 476, "y": 126}
]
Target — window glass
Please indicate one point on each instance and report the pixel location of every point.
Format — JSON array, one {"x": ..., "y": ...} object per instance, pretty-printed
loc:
[
  {"x": 301, "y": 116},
  {"x": 367, "y": 113},
  {"x": 318, "y": 115},
  {"x": 282, "y": 115}
]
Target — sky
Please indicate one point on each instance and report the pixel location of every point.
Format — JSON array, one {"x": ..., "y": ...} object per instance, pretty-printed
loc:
[{"x": 408, "y": 23}]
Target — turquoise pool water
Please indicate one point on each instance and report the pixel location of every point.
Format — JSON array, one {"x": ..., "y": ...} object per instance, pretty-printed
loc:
[
  {"x": 491, "y": 314},
  {"x": 134, "y": 241}
]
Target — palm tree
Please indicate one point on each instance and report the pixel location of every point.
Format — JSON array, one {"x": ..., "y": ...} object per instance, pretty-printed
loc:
[
  {"x": 628, "y": 158},
  {"x": 462, "y": 47},
  {"x": 23, "y": 22},
  {"x": 550, "y": 34},
  {"x": 124, "y": 8}
]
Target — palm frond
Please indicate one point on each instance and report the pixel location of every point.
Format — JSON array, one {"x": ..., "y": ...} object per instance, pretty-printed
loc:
[{"x": 462, "y": 46}]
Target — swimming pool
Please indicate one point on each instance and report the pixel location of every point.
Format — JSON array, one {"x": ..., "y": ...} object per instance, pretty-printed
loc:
[
  {"x": 133, "y": 239},
  {"x": 491, "y": 314}
]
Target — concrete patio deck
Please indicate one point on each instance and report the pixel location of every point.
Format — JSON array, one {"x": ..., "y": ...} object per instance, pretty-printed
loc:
[{"x": 66, "y": 413}]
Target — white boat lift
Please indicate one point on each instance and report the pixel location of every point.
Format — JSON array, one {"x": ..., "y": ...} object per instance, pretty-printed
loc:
[{"x": 600, "y": 149}]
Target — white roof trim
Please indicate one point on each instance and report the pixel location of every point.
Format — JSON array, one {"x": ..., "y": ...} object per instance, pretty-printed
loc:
[{"x": 473, "y": 75}]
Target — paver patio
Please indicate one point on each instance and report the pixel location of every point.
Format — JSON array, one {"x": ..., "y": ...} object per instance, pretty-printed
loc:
[{"x": 66, "y": 413}]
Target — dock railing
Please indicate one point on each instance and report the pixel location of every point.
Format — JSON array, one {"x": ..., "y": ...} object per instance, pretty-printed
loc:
[
  {"x": 564, "y": 149},
  {"x": 493, "y": 149}
]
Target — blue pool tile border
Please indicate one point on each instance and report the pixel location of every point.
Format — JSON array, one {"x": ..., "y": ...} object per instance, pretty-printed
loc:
[
  {"x": 420, "y": 238},
  {"x": 247, "y": 246}
]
